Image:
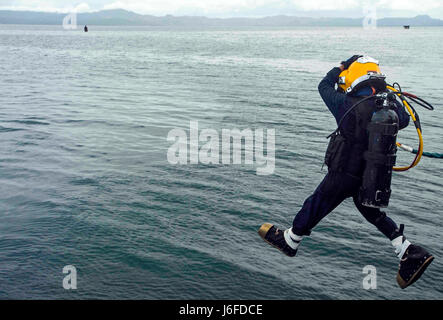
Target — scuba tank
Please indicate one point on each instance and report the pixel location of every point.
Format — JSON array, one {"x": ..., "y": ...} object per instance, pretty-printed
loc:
[{"x": 381, "y": 154}]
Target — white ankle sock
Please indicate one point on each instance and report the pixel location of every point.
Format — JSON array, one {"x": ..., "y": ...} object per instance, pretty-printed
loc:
[
  {"x": 400, "y": 246},
  {"x": 292, "y": 239}
]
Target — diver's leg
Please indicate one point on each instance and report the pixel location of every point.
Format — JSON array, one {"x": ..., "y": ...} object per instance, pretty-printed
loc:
[
  {"x": 329, "y": 194},
  {"x": 413, "y": 259},
  {"x": 378, "y": 218}
]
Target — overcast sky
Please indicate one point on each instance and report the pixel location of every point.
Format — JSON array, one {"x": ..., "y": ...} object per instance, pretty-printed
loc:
[{"x": 232, "y": 8}]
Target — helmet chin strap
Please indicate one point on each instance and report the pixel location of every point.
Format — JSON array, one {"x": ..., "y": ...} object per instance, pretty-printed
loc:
[{"x": 365, "y": 92}]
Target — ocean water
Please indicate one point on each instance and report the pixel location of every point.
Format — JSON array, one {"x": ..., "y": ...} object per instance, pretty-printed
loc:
[{"x": 85, "y": 181}]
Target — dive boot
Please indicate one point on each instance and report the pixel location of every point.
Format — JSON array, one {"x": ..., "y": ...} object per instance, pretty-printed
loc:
[
  {"x": 284, "y": 240},
  {"x": 412, "y": 265},
  {"x": 413, "y": 259}
]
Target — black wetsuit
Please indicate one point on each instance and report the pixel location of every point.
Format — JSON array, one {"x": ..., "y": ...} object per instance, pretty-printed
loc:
[{"x": 339, "y": 185}]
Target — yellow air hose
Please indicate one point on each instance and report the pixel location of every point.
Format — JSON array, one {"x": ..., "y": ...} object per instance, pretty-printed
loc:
[{"x": 420, "y": 137}]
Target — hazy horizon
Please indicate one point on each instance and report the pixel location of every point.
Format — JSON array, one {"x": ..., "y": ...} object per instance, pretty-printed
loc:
[{"x": 242, "y": 8}]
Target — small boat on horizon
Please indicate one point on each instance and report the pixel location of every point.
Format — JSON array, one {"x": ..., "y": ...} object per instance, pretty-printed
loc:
[{"x": 406, "y": 27}]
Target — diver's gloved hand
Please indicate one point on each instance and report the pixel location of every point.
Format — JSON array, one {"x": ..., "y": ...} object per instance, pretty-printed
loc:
[{"x": 350, "y": 61}]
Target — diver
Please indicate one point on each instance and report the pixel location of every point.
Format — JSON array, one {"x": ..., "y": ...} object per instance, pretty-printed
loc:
[
  {"x": 85, "y": 28},
  {"x": 357, "y": 79}
]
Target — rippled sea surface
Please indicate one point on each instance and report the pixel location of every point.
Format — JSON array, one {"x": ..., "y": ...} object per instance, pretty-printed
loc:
[{"x": 85, "y": 181}]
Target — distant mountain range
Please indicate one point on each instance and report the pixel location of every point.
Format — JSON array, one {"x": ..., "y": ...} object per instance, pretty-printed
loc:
[{"x": 121, "y": 17}]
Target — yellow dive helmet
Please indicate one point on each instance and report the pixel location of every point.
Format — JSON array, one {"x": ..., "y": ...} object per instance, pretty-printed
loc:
[{"x": 364, "y": 72}]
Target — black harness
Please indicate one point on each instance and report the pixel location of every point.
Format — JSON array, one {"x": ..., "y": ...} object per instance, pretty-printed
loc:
[{"x": 347, "y": 145}]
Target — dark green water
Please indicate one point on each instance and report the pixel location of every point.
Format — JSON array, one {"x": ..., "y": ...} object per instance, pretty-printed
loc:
[{"x": 84, "y": 179}]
